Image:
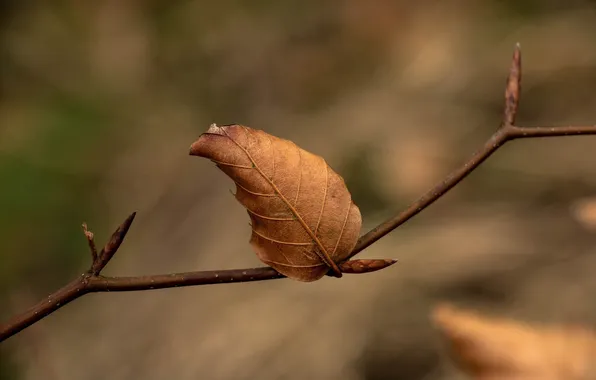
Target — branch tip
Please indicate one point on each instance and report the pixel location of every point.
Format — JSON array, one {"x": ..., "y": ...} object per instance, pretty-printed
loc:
[
  {"x": 513, "y": 87},
  {"x": 89, "y": 235},
  {"x": 360, "y": 266}
]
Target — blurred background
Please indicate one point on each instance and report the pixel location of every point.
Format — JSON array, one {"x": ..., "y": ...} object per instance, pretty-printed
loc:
[{"x": 100, "y": 100}]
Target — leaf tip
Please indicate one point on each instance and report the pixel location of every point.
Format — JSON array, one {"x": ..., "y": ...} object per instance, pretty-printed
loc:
[{"x": 195, "y": 148}]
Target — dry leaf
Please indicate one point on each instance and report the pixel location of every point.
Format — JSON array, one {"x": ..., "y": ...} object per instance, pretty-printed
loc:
[
  {"x": 491, "y": 348},
  {"x": 303, "y": 217}
]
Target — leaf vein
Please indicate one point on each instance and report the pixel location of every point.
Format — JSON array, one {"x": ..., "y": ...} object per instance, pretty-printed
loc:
[
  {"x": 292, "y": 265},
  {"x": 272, "y": 156},
  {"x": 299, "y": 175},
  {"x": 254, "y": 192},
  {"x": 324, "y": 196},
  {"x": 343, "y": 227},
  {"x": 268, "y": 217},
  {"x": 232, "y": 165},
  {"x": 279, "y": 241},
  {"x": 284, "y": 255}
]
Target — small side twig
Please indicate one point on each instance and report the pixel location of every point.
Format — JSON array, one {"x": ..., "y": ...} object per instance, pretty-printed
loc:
[
  {"x": 93, "y": 281},
  {"x": 73, "y": 290},
  {"x": 112, "y": 246},
  {"x": 91, "y": 242},
  {"x": 513, "y": 88}
]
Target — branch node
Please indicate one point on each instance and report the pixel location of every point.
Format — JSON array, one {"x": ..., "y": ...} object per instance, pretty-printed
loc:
[{"x": 112, "y": 245}]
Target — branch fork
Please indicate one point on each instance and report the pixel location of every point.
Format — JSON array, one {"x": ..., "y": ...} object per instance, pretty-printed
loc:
[
  {"x": 93, "y": 281},
  {"x": 103, "y": 258}
]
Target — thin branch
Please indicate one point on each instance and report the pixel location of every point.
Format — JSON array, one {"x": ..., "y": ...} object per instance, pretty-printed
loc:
[
  {"x": 112, "y": 246},
  {"x": 73, "y": 290},
  {"x": 92, "y": 281},
  {"x": 491, "y": 146},
  {"x": 533, "y": 132},
  {"x": 513, "y": 88},
  {"x": 91, "y": 242}
]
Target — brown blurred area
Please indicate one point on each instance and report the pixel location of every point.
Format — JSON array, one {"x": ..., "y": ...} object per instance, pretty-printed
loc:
[{"x": 100, "y": 100}]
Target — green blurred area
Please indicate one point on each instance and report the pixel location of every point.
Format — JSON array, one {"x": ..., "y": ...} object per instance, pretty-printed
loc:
[
  {"x": 41, "y": 196},
  {"x": 87, "y": 85}
]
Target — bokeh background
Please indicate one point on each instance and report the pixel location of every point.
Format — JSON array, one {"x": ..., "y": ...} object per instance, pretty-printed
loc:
[{"x": 100, "y": 100}]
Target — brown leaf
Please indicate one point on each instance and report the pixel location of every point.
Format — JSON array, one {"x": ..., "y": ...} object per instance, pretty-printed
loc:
[
  {"x": 491, "y": 348},
  {"x": 302, "y": 214}
]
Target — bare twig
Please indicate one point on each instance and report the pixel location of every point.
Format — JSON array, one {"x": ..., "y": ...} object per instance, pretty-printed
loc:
[
  {"x": 91, "y": 242},
  {"x": 92, "y": 281},
  {"x": 513, "y": 88},
  {"x": 112, "y": 246}
]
